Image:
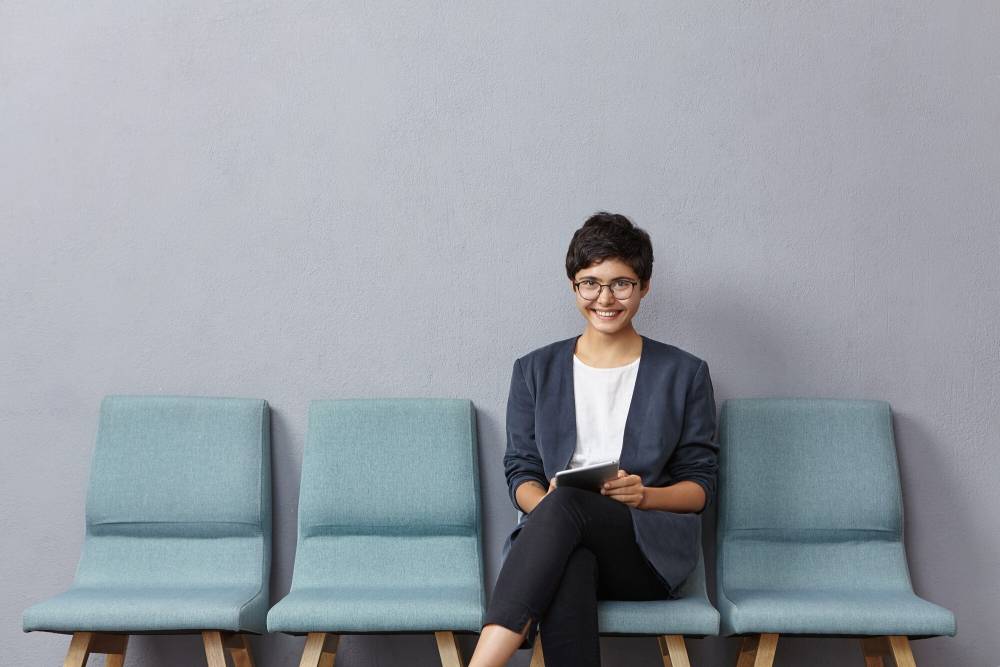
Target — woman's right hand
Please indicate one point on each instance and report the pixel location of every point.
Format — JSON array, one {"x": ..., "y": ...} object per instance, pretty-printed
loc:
[
  {"x": 552, "y": 487},
  {"x": 530, "y": 494}
]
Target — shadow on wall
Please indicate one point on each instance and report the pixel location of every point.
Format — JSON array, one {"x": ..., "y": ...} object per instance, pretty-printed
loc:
[{"x": 914, "y": 442}]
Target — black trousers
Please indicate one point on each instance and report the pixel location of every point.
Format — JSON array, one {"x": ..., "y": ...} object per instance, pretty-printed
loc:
[{"x": 575, "y": 548}]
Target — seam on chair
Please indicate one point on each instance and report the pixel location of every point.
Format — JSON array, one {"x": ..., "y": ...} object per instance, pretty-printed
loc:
[
  {"x": 899, "y": 490},
  {"x": 720, "y": 587},
  {"x": 835, "y": 535},
  {"x": 178, "y": 523},
  {"x": 813, "y": 530},
  {"x": 380, "y": 530},
  {"x": 260, "y": 515},
  {"x": 260, "y": 589},
  {"x": 722, "y": 505},
  {"x": 473, "y": 439}
]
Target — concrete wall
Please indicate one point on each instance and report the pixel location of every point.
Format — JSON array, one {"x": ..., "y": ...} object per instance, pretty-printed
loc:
[{"x": 300, "y": 200}]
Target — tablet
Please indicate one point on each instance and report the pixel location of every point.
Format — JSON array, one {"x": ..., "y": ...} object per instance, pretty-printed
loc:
[{"x": 588, "y": 477}]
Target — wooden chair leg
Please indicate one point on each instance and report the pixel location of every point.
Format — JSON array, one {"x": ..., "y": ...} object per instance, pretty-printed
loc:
[
  {"x": 448, "y": 649},
  {"x": 117, "y": 658},
  {"x": 673, "y": 651},
  {"x": 79, "y": 649},
  {"x": 113, "y": 646},
  {"x": 874, "y": 650},
  {"x": 83, "y": 644},
  {"x": 537, "y": 657},
  {"x": 320, "y": 650},
  {"x": 900, "y": 645},
  {"x": 758, "y": 650},
  {"x": 215, "y": 651},
  {"x": 239, "y": 648}
]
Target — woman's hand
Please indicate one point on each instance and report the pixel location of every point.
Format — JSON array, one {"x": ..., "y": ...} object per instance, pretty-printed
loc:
[
  {"x": 531, "y": 493},
  {"x": 626, "y": 489},
  {"x": 552, "y": 487}
]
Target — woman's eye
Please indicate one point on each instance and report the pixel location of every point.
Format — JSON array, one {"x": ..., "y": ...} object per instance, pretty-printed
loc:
[
  {"x": 620, "y": 284},
  {"x": 588, "y": 283}
]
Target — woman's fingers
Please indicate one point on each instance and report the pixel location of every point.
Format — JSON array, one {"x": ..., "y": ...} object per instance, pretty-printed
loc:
[
  {"x": 617, "y": 493},
  {"x": 631, "y": 499},
  {"x": 626, "y": 481},
  {"x": 626, "y": 489}
]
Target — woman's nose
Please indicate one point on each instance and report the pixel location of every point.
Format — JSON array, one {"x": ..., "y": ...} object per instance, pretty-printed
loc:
[{"x": 606, "y": 298}]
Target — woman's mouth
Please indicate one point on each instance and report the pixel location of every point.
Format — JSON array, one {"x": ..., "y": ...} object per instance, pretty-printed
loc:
[{"x": 607, "y": 315}]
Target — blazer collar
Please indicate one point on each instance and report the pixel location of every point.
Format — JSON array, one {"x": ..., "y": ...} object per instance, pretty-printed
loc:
[{"x": 636, "y": 411}]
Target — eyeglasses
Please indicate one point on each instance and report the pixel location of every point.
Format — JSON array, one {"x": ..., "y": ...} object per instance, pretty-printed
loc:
[{"x": 590, "y": 290}]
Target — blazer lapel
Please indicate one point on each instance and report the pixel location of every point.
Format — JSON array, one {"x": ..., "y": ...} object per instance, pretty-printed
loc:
[
  {"x": 566, "y": 443},
  {"x": 638, "y": 408}
]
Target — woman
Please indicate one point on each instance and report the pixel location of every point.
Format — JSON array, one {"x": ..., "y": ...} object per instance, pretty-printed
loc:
[{"x": 608, "y": 394}]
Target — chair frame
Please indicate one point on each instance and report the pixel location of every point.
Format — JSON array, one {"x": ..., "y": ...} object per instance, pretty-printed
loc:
[
  {"x": 113, "y": 646},
  {"x": 758, "y": 650},
  {"x": 673, "y": 650},
  {"x": 321, "y": 649}
]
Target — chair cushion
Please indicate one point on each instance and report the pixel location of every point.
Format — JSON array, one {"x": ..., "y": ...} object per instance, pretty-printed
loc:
[
  {"x": 686, "y": 616},
  {"x": 375, "y": 608},
  {"x": 392, "y": 445},
  {"x": 138, "y": 609},
  {"x": 834, "y": 612},
  {"x": 170, "y": 463}
]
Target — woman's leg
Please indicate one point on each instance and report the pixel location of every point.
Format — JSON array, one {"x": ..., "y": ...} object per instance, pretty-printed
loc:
[
  {"x": 533, "y": 571},
  {"x": 570, "y": 623},
  {"x": 496, "y": 645}
]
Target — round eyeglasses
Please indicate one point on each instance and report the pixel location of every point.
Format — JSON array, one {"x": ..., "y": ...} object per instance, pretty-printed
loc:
[{"x": 621, "y": 288}]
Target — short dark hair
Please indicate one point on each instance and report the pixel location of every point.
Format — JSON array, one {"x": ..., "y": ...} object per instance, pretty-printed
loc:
[{"x": 610, "y": 235}]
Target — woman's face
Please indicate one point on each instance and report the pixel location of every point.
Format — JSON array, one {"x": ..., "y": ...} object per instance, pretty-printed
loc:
[{"x": 621, "y": 312}]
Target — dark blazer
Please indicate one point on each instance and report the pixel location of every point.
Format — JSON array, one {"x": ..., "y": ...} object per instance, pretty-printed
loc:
[{"x": 670, "y": 436}]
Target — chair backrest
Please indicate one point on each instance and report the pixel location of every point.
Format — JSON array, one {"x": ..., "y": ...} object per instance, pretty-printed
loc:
[
  {"x": 390, "y": 493},
  {"x": 808, "y": 493},
  {"x": 180, "y": 493}
]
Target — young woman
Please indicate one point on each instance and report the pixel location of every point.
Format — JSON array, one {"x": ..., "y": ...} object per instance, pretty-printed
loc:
[{"x": 608, "y": 394}]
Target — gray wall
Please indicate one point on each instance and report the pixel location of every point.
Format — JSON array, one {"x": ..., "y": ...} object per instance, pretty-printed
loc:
[{"x": 291, "y": 201}]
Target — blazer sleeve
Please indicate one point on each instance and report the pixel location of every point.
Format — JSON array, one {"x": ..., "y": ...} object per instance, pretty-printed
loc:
[
  {"x": 521, "y": 461},
  {"x": 696, "y": 456}
]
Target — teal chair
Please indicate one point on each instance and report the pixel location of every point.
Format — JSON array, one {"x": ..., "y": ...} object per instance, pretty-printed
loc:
[
  {"x": 389, "y": 534},
  {"x": 670, "y": 621},
  {"x": 178, "y": 529},
  {"x": 810, "y": 530}
]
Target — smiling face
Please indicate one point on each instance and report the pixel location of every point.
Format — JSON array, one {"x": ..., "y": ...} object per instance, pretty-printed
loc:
[{"x": 606, "y": 314}]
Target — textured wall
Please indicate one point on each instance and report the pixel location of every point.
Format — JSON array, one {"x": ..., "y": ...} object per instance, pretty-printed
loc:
[{"x": 290, "y": 201}]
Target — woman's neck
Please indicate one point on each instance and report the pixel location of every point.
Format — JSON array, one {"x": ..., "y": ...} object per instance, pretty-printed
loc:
[{"x": 602, "y": 350}]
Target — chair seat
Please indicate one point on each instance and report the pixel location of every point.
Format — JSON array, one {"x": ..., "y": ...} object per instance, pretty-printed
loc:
[
  {"x": 835, "y": 612},
  {"x": 138, "y": 609},
  {"x": 692, "y": 616},
  {"x": 370, "y": 609}
]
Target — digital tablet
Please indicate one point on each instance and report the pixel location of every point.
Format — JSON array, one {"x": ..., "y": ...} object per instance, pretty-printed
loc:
[{"x": 590, "y": 477}]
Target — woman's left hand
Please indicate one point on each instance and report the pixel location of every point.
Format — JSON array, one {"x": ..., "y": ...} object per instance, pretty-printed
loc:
[{"x": 627, "y": 489}]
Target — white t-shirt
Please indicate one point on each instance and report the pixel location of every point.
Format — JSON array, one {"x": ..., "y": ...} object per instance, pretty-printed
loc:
[{"x": 603, "y": 396}]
